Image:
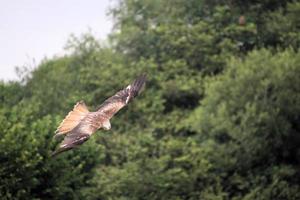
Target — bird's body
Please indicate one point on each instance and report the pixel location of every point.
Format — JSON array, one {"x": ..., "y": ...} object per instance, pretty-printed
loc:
[{"x": 80, "y": 123}]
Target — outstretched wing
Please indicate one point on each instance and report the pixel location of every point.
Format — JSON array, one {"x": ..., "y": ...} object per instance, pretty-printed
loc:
[
  {"x": 80, "y": 124},
  {"x": 113, "y": 104},
  {"x": 80, "y": 133},
  {"x": 72, "y": 119},
  {"x": 71, "y": 141}
]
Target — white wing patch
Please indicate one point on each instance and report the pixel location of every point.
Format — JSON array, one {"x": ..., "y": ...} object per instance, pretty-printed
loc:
[{"x": 127, "y": 99}]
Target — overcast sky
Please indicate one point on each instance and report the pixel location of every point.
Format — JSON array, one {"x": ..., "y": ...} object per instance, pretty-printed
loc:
[{"x": 33, "y": 29}]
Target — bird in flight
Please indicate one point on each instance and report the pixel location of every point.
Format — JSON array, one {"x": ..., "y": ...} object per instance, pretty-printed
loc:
[{"x": 80, "y": 123}]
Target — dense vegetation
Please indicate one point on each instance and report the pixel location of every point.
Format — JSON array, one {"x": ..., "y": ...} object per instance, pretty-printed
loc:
[{"x": 219, "y": 119}]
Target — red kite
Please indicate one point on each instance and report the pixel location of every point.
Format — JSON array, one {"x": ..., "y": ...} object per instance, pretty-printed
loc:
[{"x": 80, "y": 123}]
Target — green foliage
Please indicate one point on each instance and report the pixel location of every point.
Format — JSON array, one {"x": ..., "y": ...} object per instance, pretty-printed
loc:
[
  {"x": 252, "y": 113},
  {"x": 10, "y": 94},
  {"x": 219, "y": 118},
  {"x": 27, "y": 171}
]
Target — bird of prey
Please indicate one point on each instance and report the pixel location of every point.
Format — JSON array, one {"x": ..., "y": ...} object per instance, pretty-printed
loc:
[{"x": 80, "y": 123}]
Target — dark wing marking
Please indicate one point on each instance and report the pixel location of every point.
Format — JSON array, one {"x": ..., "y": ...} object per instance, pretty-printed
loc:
[
  {"x": 122, "y": 98},
  {"x": 71, "y": 141},
  {"x": 91, "y": 121}
]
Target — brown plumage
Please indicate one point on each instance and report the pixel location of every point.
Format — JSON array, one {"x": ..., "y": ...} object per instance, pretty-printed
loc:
[
  {"x": 80, "y": 124},
  {"x": 242, "y": 20}
]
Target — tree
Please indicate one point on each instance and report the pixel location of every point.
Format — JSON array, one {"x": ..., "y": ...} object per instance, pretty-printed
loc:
[
  {"x": 218, "y": 119},
  {"x": 251, "y": 113}
]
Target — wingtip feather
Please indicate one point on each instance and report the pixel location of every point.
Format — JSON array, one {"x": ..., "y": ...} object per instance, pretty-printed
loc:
[{"x": 139, "y": 82}]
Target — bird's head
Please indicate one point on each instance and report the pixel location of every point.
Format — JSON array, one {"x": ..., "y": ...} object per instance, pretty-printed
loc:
[{"x": 106, "y": 125}]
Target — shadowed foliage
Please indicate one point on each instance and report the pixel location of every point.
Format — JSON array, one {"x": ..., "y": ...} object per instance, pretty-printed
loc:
[{"x": 218, "y": 119}]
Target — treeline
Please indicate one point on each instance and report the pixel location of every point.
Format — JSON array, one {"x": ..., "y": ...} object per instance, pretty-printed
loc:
[{"x": 219, "y": 118}]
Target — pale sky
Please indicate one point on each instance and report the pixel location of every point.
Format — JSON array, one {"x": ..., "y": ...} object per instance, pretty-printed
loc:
[{"x": 33, "y": 29}]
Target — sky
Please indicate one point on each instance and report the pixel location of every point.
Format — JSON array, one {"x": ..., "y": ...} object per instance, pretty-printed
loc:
[{"x": 31, "y": 30}]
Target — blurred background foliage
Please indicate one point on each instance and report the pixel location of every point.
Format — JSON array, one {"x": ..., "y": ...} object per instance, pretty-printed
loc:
[{"x": 219, "y": 119}]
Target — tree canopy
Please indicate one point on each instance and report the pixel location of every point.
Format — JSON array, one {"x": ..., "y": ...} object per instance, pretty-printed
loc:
[{"x": 219, "y": 118}]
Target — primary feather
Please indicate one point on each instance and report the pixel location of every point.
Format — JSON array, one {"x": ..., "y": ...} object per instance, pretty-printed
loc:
[{"x": 80, "y": 124}]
